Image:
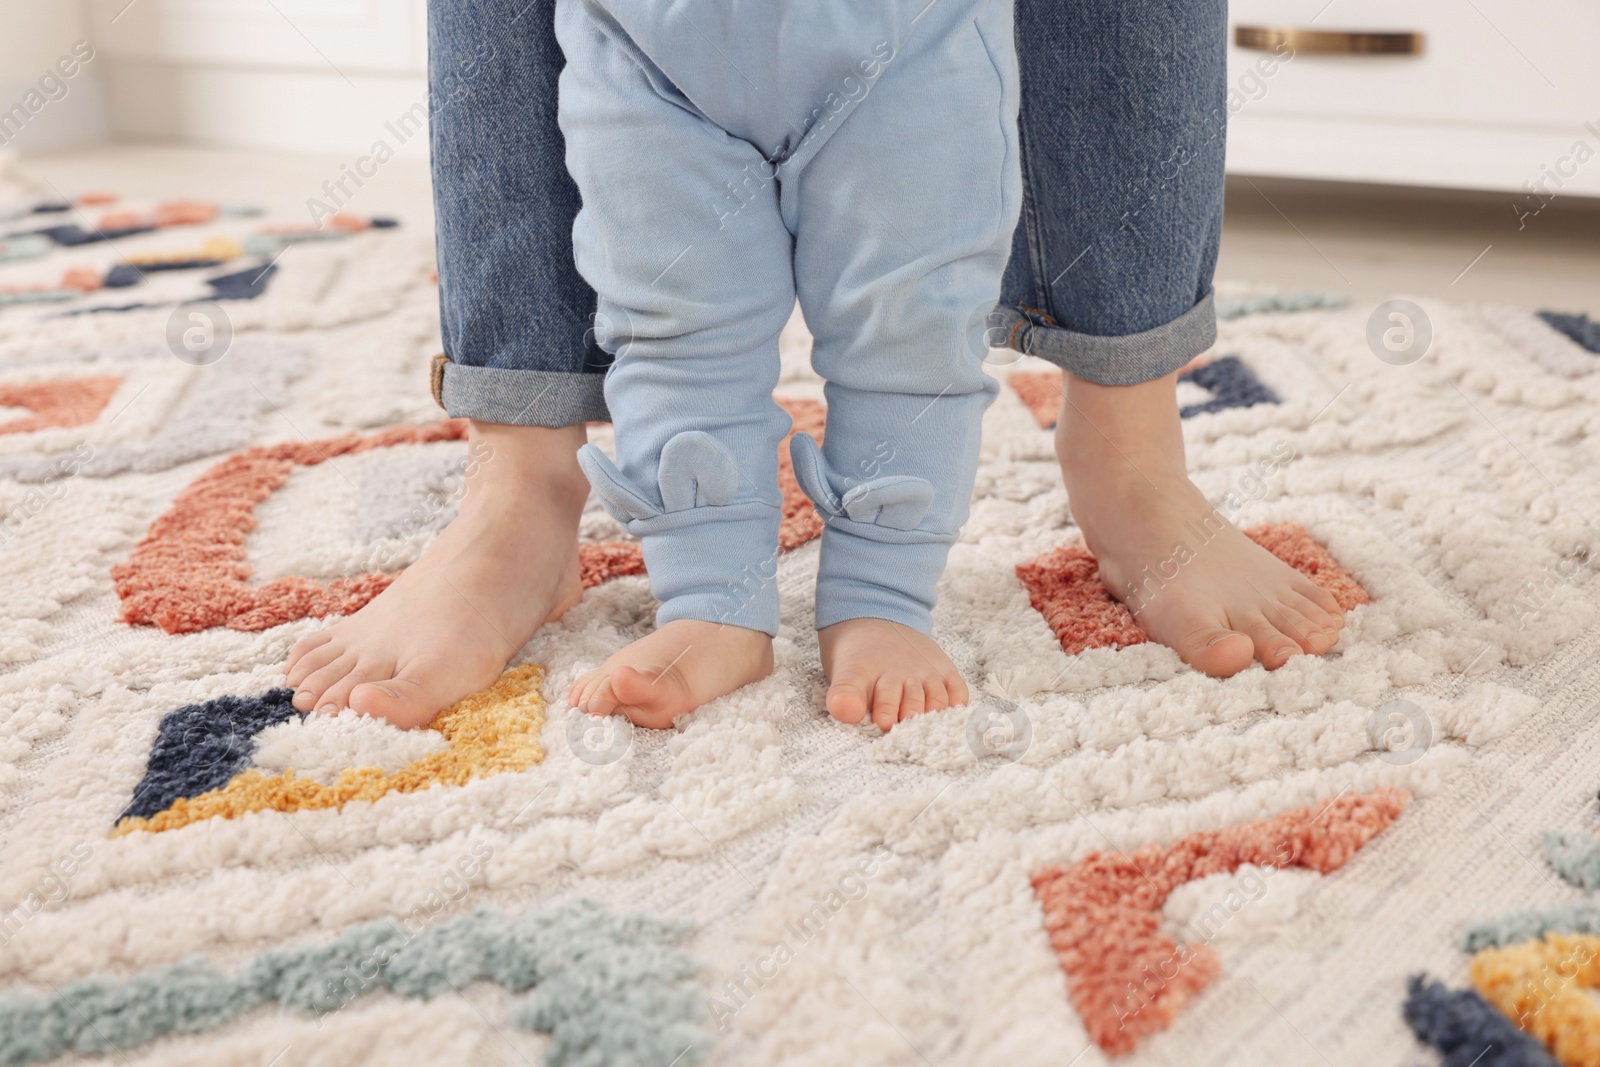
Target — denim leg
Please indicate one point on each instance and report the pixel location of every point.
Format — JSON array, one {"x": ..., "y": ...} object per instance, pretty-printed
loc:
[
  {"x": 518, "y": 322},
  {"x": 1122, "y": 126}
]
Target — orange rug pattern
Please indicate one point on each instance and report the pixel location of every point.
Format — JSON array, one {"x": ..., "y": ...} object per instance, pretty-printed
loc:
[
  {"x": 1041, "y": 391},
  {"x": 1064, "y": 586},
  {"x": 190, "y": 572},
  {"x": 1126, "y": 978},
  {"x": 59, "y": 404}
]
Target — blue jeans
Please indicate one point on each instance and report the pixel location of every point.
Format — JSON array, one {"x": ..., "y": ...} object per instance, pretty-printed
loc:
[{"x": 1121, "y": 135}]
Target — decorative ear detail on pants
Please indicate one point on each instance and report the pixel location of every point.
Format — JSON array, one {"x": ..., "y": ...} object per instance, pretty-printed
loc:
[
  {"x": 811, "y": 471},
  {"x": 694, "y": 471},
  {"x": 620, "y": 498},
  {"x": 898, "y": 502}
]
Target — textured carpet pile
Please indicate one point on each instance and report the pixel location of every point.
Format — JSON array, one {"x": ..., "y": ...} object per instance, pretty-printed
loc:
[{"x": 1381, "y": 856}]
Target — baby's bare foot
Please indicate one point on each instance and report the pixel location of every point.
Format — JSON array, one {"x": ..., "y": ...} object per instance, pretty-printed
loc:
[
  {"x": 674, "y": 670},
  {"x": 447, "y": 626},
  {"x": 889, "y": 671},
  {"x": 1193, "y": 581}
]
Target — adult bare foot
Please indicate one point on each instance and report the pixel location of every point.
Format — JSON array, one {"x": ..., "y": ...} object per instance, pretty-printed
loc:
[
  {"x": 889, "y": 671},
  {"x": 1192, "y": 580},
  {"x": 447, "y": 626},
  {"x": 674, "y": 670}
]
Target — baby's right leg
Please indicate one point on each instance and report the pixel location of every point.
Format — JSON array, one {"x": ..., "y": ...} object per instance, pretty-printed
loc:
[
  {"x": 905, "y": 223},
  {"x": 694, "y": 287}
]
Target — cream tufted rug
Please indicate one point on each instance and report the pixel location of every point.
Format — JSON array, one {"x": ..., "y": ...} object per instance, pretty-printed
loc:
[{"x": 761, "y": 885}]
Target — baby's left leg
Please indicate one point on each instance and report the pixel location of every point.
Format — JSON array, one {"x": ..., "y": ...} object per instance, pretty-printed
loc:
[
  {"x": 691, "y": 298},
  {"x": 903, "y": 223}
]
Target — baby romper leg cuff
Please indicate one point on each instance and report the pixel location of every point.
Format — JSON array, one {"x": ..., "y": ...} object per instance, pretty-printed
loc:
[
  {"x": 865, "y": 577},
  {"x": 717, "y": 569},
  {"x": 709, "y": 556},
  {"x": 1128, "y": 360}
]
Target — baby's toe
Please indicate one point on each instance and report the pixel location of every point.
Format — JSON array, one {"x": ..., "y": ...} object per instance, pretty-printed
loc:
[
  {"x": 886, "y": 696},
  {"x": 599, "y": 699},
  {"x": 847, "y": 698},
  {"x": 914, "y": 701},
  {"x": 583, "y": 690},
  {"x": 650, "y": 700},
  {"x": 956, "y": 691}
]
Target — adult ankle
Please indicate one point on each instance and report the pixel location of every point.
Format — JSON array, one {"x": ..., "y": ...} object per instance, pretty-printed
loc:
[
  {"x": 536, "y": 463},
  {"x": 1106, "y": 433}
]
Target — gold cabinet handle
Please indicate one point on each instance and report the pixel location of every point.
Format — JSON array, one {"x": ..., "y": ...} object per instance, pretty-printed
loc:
[{"x": 1326, "y": 42}]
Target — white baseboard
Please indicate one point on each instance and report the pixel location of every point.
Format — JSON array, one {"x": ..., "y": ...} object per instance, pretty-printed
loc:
[
  {"x": 1440, "y": 155},
  {"x": 303, "y": 111}
]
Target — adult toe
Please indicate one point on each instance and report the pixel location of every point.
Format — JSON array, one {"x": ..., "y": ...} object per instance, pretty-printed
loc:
[
  {"x": 1273, "y": 647},
  {"x": 308, "y": 695},
  {"x": 1215, "y": 650},
  {"x": 306, "y": 644},
  {"x": 1319, "y": 596},
  {"x": 1300, "y": 628},
  {"x": 312, "y": 661},
  {"x": 406, "y": 702},
  {"x": 338, "y": 694}
]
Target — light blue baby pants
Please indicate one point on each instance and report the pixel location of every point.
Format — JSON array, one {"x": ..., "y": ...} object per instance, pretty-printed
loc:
[{"x": 733, "y": 155}]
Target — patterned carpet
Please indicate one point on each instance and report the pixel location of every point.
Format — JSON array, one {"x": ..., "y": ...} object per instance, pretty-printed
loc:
[{"x": 1382, "y": 856}]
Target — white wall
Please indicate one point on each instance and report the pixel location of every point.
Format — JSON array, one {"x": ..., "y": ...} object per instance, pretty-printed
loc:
[
  {"x": 40, "y": 109},
  {"x": 323, "y": 76},
  {"x": 1506, "y": 94}
]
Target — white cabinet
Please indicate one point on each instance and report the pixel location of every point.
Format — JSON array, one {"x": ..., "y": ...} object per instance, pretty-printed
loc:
[{"x": 1503, "y": 93}]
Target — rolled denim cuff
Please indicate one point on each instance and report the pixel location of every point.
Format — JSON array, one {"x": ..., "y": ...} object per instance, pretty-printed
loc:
[
  {"x": 519, "y": 397},
  {"x": 1126, "y": 360}
]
